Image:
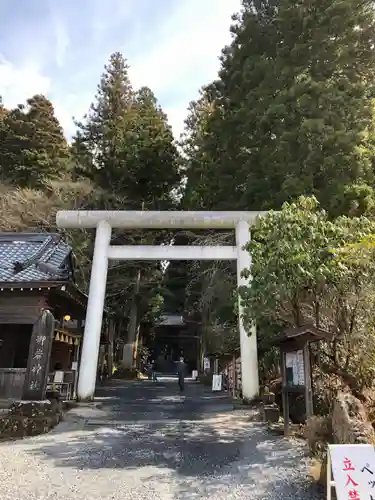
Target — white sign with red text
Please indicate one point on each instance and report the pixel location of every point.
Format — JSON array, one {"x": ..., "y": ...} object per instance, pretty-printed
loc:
[{"x": 353, "y": 469}]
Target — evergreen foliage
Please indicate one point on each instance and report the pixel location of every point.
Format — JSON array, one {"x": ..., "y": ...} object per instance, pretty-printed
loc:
[{"x": 33, "y": 149}]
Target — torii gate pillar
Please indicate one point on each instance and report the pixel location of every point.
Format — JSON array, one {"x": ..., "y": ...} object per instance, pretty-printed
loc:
[{"x": 104, "y": 221}]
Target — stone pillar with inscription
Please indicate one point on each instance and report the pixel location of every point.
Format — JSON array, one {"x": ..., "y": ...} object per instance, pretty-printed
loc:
[{"x": 39, "y": 357}]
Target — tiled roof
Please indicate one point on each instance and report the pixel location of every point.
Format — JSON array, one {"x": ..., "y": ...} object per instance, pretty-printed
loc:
[{"x": 33, "y": 257}]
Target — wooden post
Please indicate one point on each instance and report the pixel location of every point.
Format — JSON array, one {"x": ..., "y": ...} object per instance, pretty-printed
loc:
[
  {"x": 329, "y": 476},
  {"x": 216, "y": 366},
  {"x": 284, "y": 389},
  {"x": 39, "y": 358},
  {"x": 307, "y": 375},
  {"x": 110, "y": 349},
  {"x": 234, "y": 381},
  {"x": 76, "y": 360}
]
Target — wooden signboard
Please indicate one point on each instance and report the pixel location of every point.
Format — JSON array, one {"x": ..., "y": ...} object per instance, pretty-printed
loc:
[
  {"x": 353, "y": 468},
  {"x": 294, "y": 344},
  {"x": 296, "y": 378},
  {"x": 39, "y": 358}
]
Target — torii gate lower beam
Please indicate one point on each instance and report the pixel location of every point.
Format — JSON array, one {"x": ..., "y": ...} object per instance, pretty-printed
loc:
[{"x": 104, "y": 221}]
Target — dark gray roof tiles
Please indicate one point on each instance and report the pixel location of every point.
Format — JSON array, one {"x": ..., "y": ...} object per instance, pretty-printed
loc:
[{"x": 33, "y": 257}]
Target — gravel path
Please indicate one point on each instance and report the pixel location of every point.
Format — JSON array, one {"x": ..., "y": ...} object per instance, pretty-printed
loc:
[{"x": 147, "y": 442}]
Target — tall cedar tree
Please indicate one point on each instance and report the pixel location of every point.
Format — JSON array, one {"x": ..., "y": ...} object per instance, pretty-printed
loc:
[
  {"x": 204, "y": 188},
  {"x": 3, "y": 113},
  {"x": 104, "y": 137},
  {"x": 3, "y": 110},
  {"x": 33, "y": 149},
  {"x": 293, "y": 107},
  {"x": 125, "y": 144},
  {"x": 290, "y": 113},
  {"x": 156, "y": 165}
]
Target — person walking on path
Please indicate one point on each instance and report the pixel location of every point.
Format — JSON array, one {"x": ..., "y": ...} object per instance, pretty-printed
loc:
[
  {"x": 153, "y": 371},
  {"x": 181, "y": 374}
]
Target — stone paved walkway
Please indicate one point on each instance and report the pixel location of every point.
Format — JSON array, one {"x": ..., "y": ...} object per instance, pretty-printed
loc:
[{"x": 146, "y": 441}]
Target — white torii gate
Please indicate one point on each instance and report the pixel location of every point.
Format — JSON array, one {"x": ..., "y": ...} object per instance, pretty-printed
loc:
[{"x": 104, "y": 221}]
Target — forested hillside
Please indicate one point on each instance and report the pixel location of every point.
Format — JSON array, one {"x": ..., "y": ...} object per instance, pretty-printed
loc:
[
  {"x": 290, "y": 113},
  {"x": 123, "y": 156}
]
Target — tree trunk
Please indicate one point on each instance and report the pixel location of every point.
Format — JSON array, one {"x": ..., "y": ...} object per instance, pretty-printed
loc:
[{"x": 130, "y": 345}]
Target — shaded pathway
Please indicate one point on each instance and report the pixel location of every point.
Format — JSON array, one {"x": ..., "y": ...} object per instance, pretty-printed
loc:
[{"x": 146, "y": 441}]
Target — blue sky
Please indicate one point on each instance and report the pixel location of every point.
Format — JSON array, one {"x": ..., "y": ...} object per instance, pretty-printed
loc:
[{"x": 59, "y": 48}]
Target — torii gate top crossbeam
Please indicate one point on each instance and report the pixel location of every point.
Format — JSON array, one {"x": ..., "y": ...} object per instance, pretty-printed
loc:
[{"x": 128, "y": 219}]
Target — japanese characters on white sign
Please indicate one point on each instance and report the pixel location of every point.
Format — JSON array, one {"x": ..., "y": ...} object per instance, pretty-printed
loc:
[
  {"x": 299, "y": 370},
  {"x": 353, "y": 468},
  {"x": 294, "y": 363}
]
